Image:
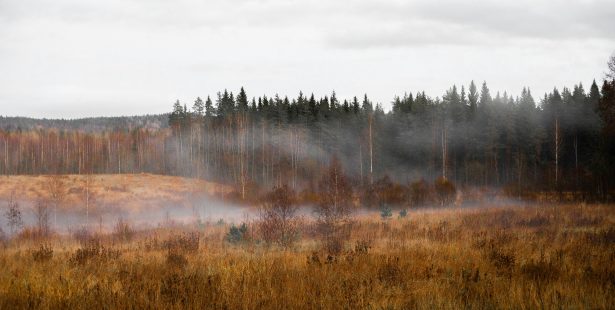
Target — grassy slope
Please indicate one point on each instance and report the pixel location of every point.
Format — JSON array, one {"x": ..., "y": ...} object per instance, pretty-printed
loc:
[{"x": 132, "y": 191}]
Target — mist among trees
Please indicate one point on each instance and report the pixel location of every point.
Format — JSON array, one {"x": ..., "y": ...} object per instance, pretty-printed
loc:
[{"x": 563, "y": 141}]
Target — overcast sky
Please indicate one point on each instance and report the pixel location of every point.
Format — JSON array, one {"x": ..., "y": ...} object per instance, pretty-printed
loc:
[{"x": 76, "y": 58}]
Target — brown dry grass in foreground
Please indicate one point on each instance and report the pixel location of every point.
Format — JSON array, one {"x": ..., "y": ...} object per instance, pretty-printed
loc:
[{"x": 516, "y": 257}]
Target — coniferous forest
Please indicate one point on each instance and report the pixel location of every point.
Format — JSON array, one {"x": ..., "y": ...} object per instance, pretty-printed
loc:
[{"x": 562, "y": 143}]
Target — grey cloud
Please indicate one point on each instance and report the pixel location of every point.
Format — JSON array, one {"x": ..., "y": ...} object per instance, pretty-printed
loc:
[
  {"x": 535, "y": 19},
  {"x": 557, "y": 19},
  {"x": 131, "y": 56},
  {"x": 417, "y": 34},
  {"x": 479, "y": 22}
]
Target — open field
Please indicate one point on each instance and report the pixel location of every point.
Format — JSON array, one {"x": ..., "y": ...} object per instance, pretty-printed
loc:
[
  {"x": 142, "y": 199},
  {"x": 547, "y": 256},
  {"x": 128, "y": 191}
]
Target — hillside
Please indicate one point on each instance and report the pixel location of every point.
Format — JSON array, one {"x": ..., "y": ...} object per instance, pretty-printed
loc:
[
  {"x": 130, "y": 192},
  {"x": 90, "y": 124}
]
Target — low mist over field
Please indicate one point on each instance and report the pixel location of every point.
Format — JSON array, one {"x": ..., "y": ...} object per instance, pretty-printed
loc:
[{"x": 302, "y": 154}]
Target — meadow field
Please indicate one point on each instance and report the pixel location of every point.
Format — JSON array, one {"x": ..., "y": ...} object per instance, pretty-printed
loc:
[{"x": 520, "y": 256}]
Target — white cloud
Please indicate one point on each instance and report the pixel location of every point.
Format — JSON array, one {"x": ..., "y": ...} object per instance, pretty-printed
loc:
[{"x": 69, "y": 58}]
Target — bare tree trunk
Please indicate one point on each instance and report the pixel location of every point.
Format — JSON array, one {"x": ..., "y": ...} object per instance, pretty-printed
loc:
[
  {"x": 263, "y": 153},
  {"x": 87, "y": 202},
  {"x": 576, "y": 164},
  {"x": 252, "y": 168},
  {"x": 444, "y": 151},
  {"x": 361, "y": 162},
  {"x": 557, "y": 146},
  {"x": 371, "y": 151}
]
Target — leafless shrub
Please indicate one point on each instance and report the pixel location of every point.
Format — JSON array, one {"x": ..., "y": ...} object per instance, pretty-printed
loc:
[
  {"x": 41, "y": 212},
  {"x": 13, "y": 215},
  {"x": 362, "y": 247},
  {"x": 445, "y": 190},
  {"x": 57, "y": 194},
  {"x": 278, "y": 218},
  {"x": 186, "y": 243},
  {"x": 334, "y": 209},
  {"x": 384, "y": 191},
  {"x": 43, "y": 253},
  {"x": 610, "y": 74},
  {"x": 123, "y": 231},
  {"x": 94, "y": 251},
  {"x": 419, "y": 193},
  {"x": 28, "y": 233},
  {"x": 83, "y": 235},
  {"x": 335, "y": 238},
  {"x": 168, "y": 220},
  {"x": 314, "y": 259},
  {"x": 3, "y": 238},
  {"x": 150, "y": 243}
]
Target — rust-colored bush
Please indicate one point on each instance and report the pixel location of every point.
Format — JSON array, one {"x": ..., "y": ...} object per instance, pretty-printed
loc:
[
  {"x": 385, "y": 191},
  {"x": 445, "y": 191},
  {"x": 186, "y": 242},
  {"x": 94, "y": 251},
  {"x": 419, "y": 193},
  {"x": 278, "y": 220},
  {"x": 43, "y": 253}
]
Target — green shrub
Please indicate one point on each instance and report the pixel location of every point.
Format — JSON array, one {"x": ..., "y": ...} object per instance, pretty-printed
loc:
[
  {"x": 403, "y": 213},
  {"x": 237, "y": 234},
  {"x": 385, "y": 212}
]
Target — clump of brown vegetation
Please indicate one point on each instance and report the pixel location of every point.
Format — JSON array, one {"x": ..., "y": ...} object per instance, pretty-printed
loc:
[
  {"x": 123, "y": 231},
  {"x": 93, "y": 251},
  {"x": 43, "y": 253},
  {"x": 445, "y": 191},
  {"x": 334, "y": 209},
  {"x": 521, "y": 257},
  {"x": 279, "y": 223}
]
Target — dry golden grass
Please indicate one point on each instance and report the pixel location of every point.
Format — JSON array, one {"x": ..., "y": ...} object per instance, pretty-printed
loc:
[
  {"x": 130, "y": 191},
  {"x": 514, "y": 257}
]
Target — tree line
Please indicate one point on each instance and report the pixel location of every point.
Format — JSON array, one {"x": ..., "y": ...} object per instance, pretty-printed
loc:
[{"x": 562, "y": 142}]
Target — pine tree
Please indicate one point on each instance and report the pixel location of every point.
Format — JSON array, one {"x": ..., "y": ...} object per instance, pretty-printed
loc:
[
  {"x": 209, "y": 108},
  {"x": 199, "y": 107},
  {"x": 367, "y": 105},
  {"x": 472, "y": 98},
  {"x": 485, "y": 97},
  {"x": 242, "y": 101},
  {"x": 176, "y": 118},
  {"x": 355, "y": 105}
]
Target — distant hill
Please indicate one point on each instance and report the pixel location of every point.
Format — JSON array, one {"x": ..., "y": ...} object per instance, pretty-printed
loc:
[{"x": 92, "y": 124}]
